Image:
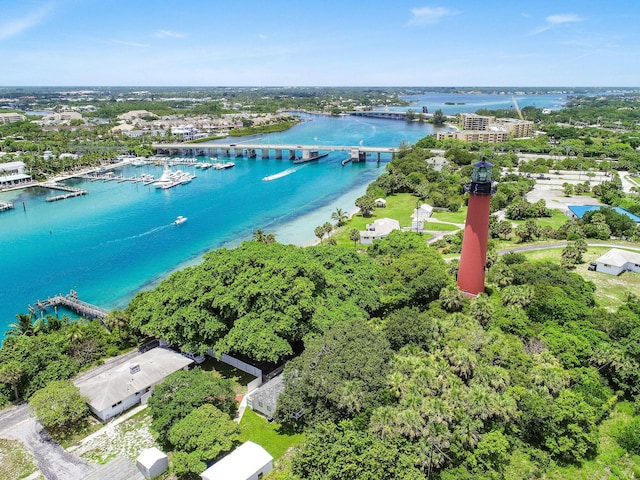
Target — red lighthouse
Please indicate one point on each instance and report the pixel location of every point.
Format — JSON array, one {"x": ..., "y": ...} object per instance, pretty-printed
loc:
[{"x": 476, "y": 231}]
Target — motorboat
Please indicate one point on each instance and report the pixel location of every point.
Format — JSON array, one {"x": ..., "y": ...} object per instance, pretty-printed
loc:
[
  {"x": 180, "y": 219},
  {"x": 221, "y": 166}
]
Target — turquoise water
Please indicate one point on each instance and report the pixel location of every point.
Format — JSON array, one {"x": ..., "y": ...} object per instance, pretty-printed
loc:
[
  {"x": 469, "y": 103},
  {"x": 119, "y": 238}
]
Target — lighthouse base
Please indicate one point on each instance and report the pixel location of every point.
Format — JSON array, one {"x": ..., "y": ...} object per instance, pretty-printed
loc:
[{"x": 473, "y": 258}]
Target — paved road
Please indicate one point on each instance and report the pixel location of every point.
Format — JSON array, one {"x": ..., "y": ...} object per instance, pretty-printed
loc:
[{"x": 53, "y": 461}]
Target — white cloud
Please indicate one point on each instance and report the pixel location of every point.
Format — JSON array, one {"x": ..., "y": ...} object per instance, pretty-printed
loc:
[
  {"x": 553, "y": 20},
  {"x": 131, "y": 44},
  {"x": 9, "y": 28},
  {"x": 168, "y": 34},
  {"x": 429, "y": 15},
  {"x": 564, "y": 18}
]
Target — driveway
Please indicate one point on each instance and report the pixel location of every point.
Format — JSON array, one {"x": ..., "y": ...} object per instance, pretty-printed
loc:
[{"x": 54, "y": 462}]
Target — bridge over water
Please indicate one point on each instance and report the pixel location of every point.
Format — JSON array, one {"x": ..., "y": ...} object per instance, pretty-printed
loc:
[{"x": 266, "y": 150}]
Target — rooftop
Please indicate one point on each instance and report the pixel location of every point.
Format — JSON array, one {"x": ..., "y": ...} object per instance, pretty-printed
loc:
[
  {"x": 240, "y": 464},
  {"x": 580, "y": 210},
  {"x": 119, "y": 382}
]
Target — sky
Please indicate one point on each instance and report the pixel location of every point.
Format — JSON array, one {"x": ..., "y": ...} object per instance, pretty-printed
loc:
[{"x": 319, "y": 43}]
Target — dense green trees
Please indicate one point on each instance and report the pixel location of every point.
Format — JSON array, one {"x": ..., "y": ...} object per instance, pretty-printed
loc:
[
  {"x": 338, "y": 375},
  {"x": 180, "y": 394},
  {"x": 200, "y": 437},
  {"x": 56, "y": 349},
  {"x": 59, "y": 406},
  {"x": 258, "y": 299}
]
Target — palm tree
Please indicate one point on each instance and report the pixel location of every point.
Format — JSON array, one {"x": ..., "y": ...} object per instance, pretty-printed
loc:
[
  {"x": 519, "y": 295},
  {"x": 481, "y": 309},
  {"x": 23, "y": 326},
  {"x": 260, "y": 236},
  {"x": 340, "y": 216},
  {"x": 354, "y": 236},
  {"x": 320, "y": 232},
  {"x": 451, "y": 298},
  {"x": 117, "y": 320},
  {"x": 11, "y": 374}
]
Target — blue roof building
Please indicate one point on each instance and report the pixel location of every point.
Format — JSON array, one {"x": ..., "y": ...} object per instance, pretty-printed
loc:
[{"x": 578, "y": 211}]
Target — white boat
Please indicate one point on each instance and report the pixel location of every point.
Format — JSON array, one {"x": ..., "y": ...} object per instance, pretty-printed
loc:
[
  {"x": 165, "y": 179},
  {"x": 180, "y": 219},
  {"x": 220, "y": 166}
]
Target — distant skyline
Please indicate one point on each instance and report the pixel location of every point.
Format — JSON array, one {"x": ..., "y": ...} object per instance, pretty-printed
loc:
[{"x": 319, "y": 43}]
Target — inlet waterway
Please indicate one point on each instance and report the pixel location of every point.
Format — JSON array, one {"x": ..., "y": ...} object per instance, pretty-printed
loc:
[{"x": 120, "y": 237}]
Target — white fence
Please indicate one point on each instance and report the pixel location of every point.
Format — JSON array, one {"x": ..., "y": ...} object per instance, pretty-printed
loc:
[{"x": 239, "y": 364}]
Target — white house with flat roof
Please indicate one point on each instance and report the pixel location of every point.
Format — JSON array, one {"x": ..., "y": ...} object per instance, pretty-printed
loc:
[
  {"x": 247, "y": 462},
  {"x": 121, "y": 387},
  {"x": 13, "y": 173},
  {"x": 380, "y": 228},
  {"x": 616, "y": 261}
]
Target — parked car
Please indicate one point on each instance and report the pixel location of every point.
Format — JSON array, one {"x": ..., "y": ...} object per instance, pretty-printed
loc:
[
  {"x": 592, "y": 266},
  {"x": 543, "y": 177}
]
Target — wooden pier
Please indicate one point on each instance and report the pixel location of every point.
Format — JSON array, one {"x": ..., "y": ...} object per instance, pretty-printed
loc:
[
  {"x": 71, "y": 191},
  {"x": 73, "y": 303},
  {"x": 5, "y": 206}
]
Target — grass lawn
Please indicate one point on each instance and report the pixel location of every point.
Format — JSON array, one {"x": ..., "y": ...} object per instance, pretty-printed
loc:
[
  {"x": 15, "y": 461},
  {"x": 612, "y": 461},
  {"x": 610, "y": 290},
  {"x": 556, "y": 219},
  {"x": 399, "y": 207},
  {"x": 268, "y": 435},
  {"x": 440, "y": 227},
  {"x": 454, "y": 217},
  {"x": 221, "y": 369}
]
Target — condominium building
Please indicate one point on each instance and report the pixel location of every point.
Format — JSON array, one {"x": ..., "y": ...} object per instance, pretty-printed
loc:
[
  {"x": 489, "y": 136},
  {"x": 471, "y": 121},
  {"x": 519, "y": 128},
  {"x": 12, "y": 117}
]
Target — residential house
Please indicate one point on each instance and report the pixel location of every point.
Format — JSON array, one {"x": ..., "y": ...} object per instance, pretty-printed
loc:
[
  {"x": 616, "y": 261},
  {"x": 264, "y": 399},
  {"x": 380, "y": 228},
  {"x": 121, "y": 387}
]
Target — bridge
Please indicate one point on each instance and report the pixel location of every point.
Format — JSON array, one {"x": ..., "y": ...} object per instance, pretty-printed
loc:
[
  {"x": 250, "y": 150},
  {"x": 389, "y": 115},
  {"x": 73, "y": 303}
]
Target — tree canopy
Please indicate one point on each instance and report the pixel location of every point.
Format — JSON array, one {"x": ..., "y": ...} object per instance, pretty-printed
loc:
[{"x": 257, "y": 299}]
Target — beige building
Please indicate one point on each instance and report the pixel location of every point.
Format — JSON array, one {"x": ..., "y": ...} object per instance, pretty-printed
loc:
[
  {"x": 490, "y": 136},
  {"x": 12, "y": 117},
  {"x": 519, "y": 128},
  {"x": 471, "y": 121}
]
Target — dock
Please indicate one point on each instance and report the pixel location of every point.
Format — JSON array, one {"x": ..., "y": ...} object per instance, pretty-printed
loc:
[
  {"x": 71, "y": 191},
  {"x": 5, "y": 206},
  {"x": 72, "y": 302}
]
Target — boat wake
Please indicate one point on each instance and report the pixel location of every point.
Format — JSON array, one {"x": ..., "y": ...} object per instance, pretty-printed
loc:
[
  {"x": 284, "y": 173},
  {"x": 139, "y": 235}
]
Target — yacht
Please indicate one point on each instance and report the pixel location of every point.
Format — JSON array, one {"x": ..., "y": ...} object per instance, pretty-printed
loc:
[{"x": 180, "y": 219}]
